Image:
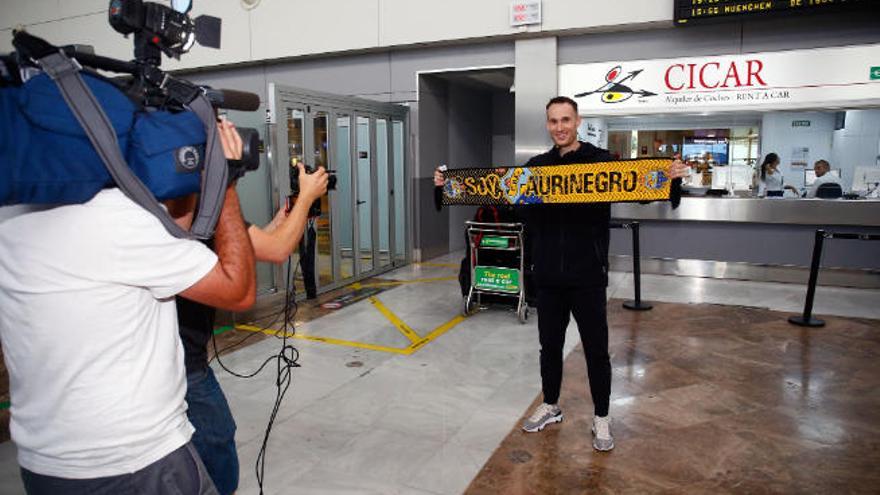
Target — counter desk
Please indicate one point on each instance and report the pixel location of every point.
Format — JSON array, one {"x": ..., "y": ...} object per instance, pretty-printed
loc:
[{"x": 768, "y": 232}]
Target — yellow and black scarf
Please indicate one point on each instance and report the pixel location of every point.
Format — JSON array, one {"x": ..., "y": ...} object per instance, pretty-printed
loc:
[{"x": 605, "y": 182}]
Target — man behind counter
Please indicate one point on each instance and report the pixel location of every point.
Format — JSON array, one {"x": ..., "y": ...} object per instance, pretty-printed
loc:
[{"x": 823, "y": 176}]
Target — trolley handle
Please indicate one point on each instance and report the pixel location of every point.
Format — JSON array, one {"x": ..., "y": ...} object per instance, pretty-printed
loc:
[{"x": 485, "y": 225}]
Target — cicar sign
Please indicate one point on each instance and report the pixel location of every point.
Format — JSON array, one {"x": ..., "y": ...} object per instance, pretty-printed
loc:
[
  {"x": 816, "y": 78},
  {"x": 712, "y": 75}
]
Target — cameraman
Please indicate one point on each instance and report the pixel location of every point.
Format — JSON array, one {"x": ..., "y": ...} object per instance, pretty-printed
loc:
[
  {"x": 208, "y": 409},
  {"x": 89, "y": 333}
]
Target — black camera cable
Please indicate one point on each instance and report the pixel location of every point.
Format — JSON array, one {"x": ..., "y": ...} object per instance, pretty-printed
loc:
[{"x": 286, "y": 360}]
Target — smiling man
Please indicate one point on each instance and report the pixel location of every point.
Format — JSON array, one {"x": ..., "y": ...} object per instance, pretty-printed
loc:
[{"x": 570, "y": 254}]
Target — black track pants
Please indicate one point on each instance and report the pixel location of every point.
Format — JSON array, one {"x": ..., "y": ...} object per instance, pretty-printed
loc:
[{"x": 587, "y": 304}]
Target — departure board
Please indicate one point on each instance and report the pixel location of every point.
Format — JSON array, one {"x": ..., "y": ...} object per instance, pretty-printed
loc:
[{"x": 687, "y": 11}]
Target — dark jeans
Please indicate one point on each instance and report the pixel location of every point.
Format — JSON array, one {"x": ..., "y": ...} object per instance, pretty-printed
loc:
[
  {"x": 214, "y": 438},
  {"x": 587, "y": 304},
  {"x": 178, "y": 473}
]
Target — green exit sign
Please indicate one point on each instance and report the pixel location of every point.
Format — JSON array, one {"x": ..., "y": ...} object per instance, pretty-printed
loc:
[{"x": 875, "y": 73}]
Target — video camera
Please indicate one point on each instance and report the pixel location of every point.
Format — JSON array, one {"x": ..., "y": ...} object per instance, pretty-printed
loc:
[
  {"x": 67, "y": 130},
  {"x": 169, "y": 29},
  {"x": 160, "y": 29}
]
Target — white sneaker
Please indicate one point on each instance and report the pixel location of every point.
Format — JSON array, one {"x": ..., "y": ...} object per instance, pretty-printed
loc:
[
  {"x": 544, "y": 415},
  {"x": 602, "y": 439}
]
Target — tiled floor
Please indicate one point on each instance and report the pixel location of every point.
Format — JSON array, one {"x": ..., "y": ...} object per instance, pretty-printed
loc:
[{"x": 360, "y": 421}]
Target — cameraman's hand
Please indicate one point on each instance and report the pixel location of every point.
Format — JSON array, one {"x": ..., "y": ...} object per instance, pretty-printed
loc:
[
  {"x": 229, "y": 139},
  {"x": 312, "y": 186}
]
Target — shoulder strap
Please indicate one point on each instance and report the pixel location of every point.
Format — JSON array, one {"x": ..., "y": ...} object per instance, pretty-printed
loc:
[{"x": 215, "y": 176}]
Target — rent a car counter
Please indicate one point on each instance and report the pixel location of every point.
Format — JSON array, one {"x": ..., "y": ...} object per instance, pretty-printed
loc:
[{"x": 723, "y": 114}]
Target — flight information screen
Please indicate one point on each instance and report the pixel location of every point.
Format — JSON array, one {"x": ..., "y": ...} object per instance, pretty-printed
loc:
[{"x": 688, "y": 11}]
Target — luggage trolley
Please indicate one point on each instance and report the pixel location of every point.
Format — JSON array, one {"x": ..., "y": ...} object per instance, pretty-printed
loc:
[{"x": 493, "y": 249}]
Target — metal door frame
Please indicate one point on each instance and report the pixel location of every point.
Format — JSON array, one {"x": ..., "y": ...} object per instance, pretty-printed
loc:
[
  {"x": 282, "y": 98},
  {"x": 376, "y": 241}
]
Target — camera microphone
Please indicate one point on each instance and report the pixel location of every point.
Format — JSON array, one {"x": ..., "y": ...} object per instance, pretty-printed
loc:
[{"x": 233, "y": 100}]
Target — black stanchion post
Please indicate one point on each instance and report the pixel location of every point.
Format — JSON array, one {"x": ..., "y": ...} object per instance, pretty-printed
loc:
[
  {"x": 637, "y": 304},
  {"x": 807, "y": 320}
]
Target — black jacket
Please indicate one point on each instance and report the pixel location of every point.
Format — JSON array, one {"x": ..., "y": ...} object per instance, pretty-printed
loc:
[{"x": 570, "y": 241}]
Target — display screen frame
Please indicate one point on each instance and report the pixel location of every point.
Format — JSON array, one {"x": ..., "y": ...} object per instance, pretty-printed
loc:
[{"x": 689, "y": 12}]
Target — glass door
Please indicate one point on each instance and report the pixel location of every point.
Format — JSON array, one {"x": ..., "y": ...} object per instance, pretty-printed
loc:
[
  {"x": 384, "y": 191},
  {"x": 398, "y": 192},
  {"x": 362, "y": 228},
  {"x": 320, "y": 157},
  {"x": 344, "y": 196},
  {"x": 364, "y": 197}
]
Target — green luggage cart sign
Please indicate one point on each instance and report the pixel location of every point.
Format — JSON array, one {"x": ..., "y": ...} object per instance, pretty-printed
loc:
[
  {"x": 496, "y": 242},
  {"x": 497, "y": 279}
]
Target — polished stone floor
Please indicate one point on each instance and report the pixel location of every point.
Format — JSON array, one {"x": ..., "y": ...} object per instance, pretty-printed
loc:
[
  {"x": 714, "y": 392},
  {"x": 712, "y": 399}
]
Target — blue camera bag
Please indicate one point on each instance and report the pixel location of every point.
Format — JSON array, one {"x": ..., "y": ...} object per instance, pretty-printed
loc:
[
  {"x": 47, "y": 158},
  {"x": 66, "y": 133}
]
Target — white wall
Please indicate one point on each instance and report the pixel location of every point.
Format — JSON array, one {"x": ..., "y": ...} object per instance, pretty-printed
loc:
[
  {"x": 469, "y": 145},
  {"x": 292, "y": 28},
  {"x": 780, "y": 137},
  {"x": 857, "y": 144},
  {"x": 503, "y": 143}
]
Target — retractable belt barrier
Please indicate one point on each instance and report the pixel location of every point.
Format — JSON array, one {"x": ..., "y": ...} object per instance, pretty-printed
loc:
[
  {"x": 636, "y": 304},
  {"x": 604, "y": 182},
  {"x": 806, "y": 319}
]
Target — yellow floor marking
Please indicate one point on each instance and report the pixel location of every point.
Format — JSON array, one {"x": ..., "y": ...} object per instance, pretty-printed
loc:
[
  {"x": 397, "y": 322},
  {"x": 436, "y": 333},
  {"x": 326, "y": 340},
  {"x": 439, "y": 265},
  {"x": 415, "y": 346},
  {"x": 417, "y": 341},
  {"x": 393, "y": 283}
]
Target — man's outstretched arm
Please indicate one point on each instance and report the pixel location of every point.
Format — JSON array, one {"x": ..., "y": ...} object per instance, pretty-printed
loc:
[{"x": 275, "y": 242}]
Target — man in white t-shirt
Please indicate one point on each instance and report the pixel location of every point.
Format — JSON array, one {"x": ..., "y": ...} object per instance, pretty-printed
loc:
[
  {"x": 89, "y": 332},
  {"x": 823, "y": 176}
]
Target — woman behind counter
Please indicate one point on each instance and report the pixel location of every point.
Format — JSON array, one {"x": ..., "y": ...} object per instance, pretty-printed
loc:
[{"x": 772, "y": 183}]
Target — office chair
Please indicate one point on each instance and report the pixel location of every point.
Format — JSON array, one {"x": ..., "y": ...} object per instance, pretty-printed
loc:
[{"x": 829, "y": 191}]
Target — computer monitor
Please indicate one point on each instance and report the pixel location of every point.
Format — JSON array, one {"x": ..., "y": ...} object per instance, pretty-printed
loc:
[
  {"x": 810, "y": 175},
  {"x": 866, "y": 178},
  {"x": 697, "y": 149}
]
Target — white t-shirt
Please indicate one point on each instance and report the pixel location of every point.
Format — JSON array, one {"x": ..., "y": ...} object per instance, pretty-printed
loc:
[
  {"x": 89, "y": 332},
  {"x": 825, "y": 179}
]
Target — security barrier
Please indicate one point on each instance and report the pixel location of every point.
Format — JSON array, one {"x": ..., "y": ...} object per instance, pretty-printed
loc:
[
  {"x": 806, "y": 319},
  {"x": 636, "y": 304}
]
